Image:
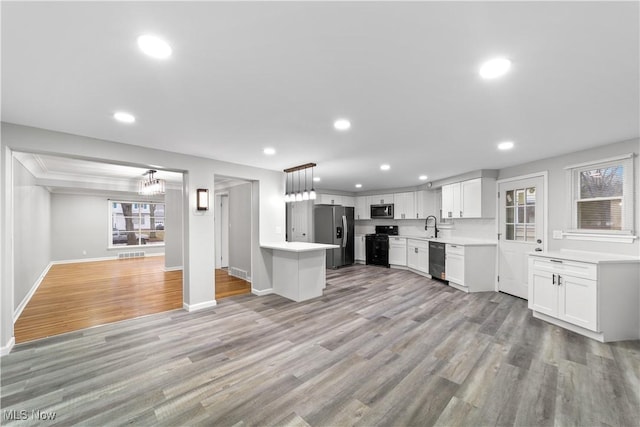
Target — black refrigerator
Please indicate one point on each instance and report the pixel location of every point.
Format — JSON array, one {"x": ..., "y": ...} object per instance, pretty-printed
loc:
[{"x": 334, "y": 225}]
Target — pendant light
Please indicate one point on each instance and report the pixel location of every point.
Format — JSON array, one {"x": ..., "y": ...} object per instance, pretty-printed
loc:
[
  {"x": 293, "y": 194},
  {"x": 312, "y": 193},
  {"x": 151, "y": 186},
  {"x": 305, "y": 193},
  {"x": 287, "y": 196},
  {"x": 299, "y": 193}
]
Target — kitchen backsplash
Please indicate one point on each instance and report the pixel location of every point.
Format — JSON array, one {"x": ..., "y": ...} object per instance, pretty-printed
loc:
[{"x": 464, "y": 228}]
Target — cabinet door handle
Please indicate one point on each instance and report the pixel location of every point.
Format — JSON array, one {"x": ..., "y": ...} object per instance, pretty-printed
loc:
[
  {"x": 559, "y": 280},
  {"x": 554, "y": 280}
]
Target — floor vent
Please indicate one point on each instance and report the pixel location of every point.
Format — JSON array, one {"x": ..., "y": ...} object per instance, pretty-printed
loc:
[
  {"x": 236, "y": 272},
  {"x": 127, "y": 255}
]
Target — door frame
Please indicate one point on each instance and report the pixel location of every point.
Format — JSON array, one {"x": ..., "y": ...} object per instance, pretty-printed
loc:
[
  {"x": 545, "y": 213},
  {"x": 221, "y": 222}
]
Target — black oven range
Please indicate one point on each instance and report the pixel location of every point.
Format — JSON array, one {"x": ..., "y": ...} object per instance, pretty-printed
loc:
[{"x": 377, "y": 245}]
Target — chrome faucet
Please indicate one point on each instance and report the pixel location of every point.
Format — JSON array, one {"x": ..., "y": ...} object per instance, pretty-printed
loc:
[{"x": 435, "y": 228}]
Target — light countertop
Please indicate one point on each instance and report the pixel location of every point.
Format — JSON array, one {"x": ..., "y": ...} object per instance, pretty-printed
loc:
[
  {"x": 462, "y": 241},
  {"x": 298, "y": 246},
  {"x": 590, "y": 257}
]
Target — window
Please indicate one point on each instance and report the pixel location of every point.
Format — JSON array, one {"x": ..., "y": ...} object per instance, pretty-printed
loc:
[
  {"x": 135, "y": 223},
  {"x": 602, "y": 197},
  {"x": 520, "y": 215}
]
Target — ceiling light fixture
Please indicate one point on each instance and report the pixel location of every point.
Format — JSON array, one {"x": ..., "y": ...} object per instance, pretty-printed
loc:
[
  {"x": 269, "y": 151},
  {"x": 342, "y": 124},
  {"x": 316, "y": 179},
  {"x": 423, "y": 177},
  {"x": 358, "y": 185},
  {"x": 124, "y": 117},
  {"x": 507, "y": 145},
  {"x": 495, "y": 68},
  {"x": 299, "y": 195},
  {"x": 385, "y": 167},
  {"x": 151, "y": 186},
  {"x": 154, "y": 46}
]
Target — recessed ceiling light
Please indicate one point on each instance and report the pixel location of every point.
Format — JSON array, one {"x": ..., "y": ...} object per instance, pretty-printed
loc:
[
  {"x": 316, "y": 179},
  {"x": 124, "y": 117},
  {"x": 154, "y": 46},
  {"x": 342, "y": 124},
  {"x": 507, "y": 145},
  {"x": 385, "y": 167},
  {"x": 423, "y": 177},
  {"x": 495, "y": 68},
  {"x": 269, "y": 151},
  {"x": 358, "y": 185}
]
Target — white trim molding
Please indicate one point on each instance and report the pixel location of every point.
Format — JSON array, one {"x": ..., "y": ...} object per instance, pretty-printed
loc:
[
  {"x": 178, "y": 268},
  {"x": 260, "y": 293},
  {"x": 7, "y": 348},
  {"x": 599, "y": 237},
  {"x": 18, "y": 311},
  {"x": 607, "y": 160},
  {"x": 199, "y": 306}
]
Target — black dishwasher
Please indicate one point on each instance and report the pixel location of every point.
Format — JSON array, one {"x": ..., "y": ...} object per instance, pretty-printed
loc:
[{"x": 436, "y": 260}]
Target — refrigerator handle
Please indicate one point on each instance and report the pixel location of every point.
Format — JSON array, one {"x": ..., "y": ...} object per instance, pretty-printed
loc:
[{"x": 346, "y": 231}]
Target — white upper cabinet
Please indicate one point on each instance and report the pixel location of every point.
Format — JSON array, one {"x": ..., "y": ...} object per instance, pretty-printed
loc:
[
  {"x": 328, "y": 199},
  {"x": 348, "y": 201},
  {"x": 335, "y": 199},
  {"x": 381, "y": 199},
  {"x": 426, "y": 203},
  {"x": 405, "y": 206},
  {"x": 363, "y": 208},
  {"x": 474, "y": 198}
]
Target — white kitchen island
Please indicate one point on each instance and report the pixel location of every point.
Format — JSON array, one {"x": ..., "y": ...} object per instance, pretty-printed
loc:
[{"x": 299, "y": 269}]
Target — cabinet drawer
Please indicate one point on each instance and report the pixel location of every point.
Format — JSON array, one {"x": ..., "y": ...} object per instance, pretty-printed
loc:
[
  {"x": 560, "y": 266},
  {"x": 455, "y": 249},
  {"x": 420, "y": 244}
]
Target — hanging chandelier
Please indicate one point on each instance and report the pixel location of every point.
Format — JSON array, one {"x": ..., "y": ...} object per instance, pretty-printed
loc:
[
  {"x": 150, "y": 186},
  {"x": 293, "y": 194}
]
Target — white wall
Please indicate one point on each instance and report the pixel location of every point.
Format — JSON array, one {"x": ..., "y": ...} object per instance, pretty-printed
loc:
[
  {"x": 559, "y": 217},
  {"x": 173, "y": 229},
  {"x": 81, "y": 228},
  {"x": 32, "y": 228},
  {"x": 268, "y": 218},
  {"x": 240, "y": 227}
]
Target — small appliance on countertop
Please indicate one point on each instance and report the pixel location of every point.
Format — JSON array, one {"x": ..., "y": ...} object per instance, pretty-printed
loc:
[{"x": 377, "y": 245}]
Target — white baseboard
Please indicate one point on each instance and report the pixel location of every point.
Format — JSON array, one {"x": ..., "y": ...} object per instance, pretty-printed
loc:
[
  {"x": 74, "y": 261},
  {"x": 18, "y": 311},
  {"x": 260, "y": 293},
  {"x": 7, "y": 348},
  {"x": 199, "y": 306},
  {"x": 178, "y": 268},
  {"x": 106, "y": 258}
]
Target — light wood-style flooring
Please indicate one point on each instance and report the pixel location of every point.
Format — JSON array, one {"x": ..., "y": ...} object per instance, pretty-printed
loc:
[
  {"x": 382, "y": 347},
  {"x": 81, "y": 295}
]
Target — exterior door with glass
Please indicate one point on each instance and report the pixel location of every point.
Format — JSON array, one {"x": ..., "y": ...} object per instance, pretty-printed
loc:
[{"x": 521, "y": 230}]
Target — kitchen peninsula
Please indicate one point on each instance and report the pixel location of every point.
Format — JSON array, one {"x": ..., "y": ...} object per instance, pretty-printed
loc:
[{"x": 299, "y": 269}]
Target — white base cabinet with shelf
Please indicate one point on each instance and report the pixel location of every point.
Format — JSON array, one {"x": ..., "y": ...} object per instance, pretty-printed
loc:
[
  {"x": 598, "y": 300},
  {"x": 360, "y": 249},
  {"x": 398, "y": 251},
  {"x": 418, "y": 255},
  {"x": 471, "y": 268}
]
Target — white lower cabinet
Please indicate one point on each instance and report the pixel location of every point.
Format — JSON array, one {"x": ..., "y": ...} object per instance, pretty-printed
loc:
[
  {"x": 599, "y": 300},
  {"x": 398, "y": 251},
  {"x": 471, "y": 268},
  {"x": 418, "y": 255},
  {"x": 360, "y": 250}
]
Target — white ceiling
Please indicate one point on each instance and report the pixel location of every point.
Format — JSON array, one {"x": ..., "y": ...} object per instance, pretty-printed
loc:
[{"x": 247, "y": 75}]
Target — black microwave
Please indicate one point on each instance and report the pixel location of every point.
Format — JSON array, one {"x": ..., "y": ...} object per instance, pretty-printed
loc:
[{"x": 382, "y": 211}]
